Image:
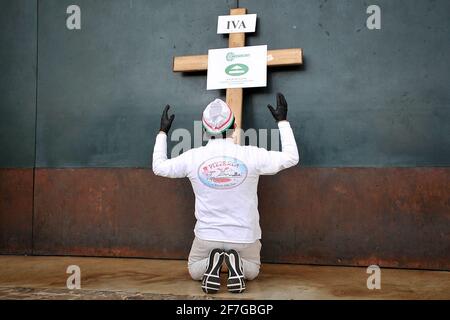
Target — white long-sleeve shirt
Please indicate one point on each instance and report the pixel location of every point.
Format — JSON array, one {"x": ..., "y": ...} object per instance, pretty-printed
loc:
[{"x": 224, "y": 177}]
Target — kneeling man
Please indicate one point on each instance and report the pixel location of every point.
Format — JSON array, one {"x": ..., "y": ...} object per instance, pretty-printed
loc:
[{"x": 224, "y": 177}]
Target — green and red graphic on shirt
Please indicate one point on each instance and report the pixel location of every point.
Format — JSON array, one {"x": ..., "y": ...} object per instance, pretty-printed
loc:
[{"x": 222, "y": 172}]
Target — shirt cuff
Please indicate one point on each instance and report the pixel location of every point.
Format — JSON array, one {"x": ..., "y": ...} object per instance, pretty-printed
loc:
[
  {"x": 161, "y": 137},
  {"x": 284, "y": 124}
]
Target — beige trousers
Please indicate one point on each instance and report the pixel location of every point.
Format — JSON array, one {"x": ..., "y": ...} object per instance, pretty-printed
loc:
[{"x": 249, "y": 252}]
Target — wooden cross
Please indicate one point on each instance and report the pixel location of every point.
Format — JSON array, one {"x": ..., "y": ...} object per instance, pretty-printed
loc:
[{"x": 195, "y": 63}]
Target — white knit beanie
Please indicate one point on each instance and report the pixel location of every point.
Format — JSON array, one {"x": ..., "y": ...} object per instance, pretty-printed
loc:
[{"x": 217, "y": 117}]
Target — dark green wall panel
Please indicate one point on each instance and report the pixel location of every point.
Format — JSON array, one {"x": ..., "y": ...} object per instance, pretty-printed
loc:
[
  {"x": 102, "y": 88},
  {"x": 363, "y": 98},
  {"x": 17, "y": 82}
]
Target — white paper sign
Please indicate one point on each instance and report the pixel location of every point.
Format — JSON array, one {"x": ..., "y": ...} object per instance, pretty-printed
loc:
[
  {"x": 242, "y": 67},
  {"x": 236, "y": 23}
]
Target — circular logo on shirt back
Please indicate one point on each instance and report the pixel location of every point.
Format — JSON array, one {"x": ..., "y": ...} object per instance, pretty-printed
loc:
[{"x": 222, "y": 172}]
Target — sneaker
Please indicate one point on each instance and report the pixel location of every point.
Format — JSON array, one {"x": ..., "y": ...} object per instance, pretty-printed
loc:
[
  {"x": 236, "y": 282},
  {"x": 211, "y": 278}
]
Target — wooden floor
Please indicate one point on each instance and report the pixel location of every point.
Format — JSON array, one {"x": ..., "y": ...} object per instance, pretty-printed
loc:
[{"x": 112, "y": 278}]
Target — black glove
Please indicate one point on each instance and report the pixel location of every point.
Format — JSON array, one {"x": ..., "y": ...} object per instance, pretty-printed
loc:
[
  {"x": 280, "y": 113},
  {"x": 166, "y": 122}
]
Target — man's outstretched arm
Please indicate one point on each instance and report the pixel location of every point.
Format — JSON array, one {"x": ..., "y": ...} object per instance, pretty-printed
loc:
[
  {"x": 170, "y": 168},
  {"x": 271, "y": 162}
]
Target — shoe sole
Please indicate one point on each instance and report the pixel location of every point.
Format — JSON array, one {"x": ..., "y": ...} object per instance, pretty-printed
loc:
[
  {"x": 236, "y": 282},
  {"x": 211, "y": 278}
]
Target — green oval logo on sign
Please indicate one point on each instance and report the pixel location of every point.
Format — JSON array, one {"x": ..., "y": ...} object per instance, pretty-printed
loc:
[{"x": 237, "y": 69}]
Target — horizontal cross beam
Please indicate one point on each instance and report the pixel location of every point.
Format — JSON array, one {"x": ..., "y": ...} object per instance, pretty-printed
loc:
[{"x": 281, "y": 57}]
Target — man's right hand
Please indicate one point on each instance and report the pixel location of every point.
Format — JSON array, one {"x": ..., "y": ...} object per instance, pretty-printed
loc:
[
  {"x": 280, "y": 113},
  {"x": 166, "y": 121}
]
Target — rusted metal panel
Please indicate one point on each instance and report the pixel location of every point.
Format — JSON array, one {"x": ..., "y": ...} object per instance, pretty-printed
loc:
[
  {"x": 112, "y": 212},
  {"x": 16, "y": 210},
  {"x": 394, "y": 217}
]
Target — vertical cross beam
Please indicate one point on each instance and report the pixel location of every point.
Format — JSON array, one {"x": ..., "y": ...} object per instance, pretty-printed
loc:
[{"x": 234, "y": 96}]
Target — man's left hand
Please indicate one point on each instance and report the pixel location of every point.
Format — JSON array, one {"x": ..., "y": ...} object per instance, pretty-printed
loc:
[{"x": 166, "y": 121}]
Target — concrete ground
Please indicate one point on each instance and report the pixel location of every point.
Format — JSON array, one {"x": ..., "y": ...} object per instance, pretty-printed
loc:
[{"x": 114, "y": 278}]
